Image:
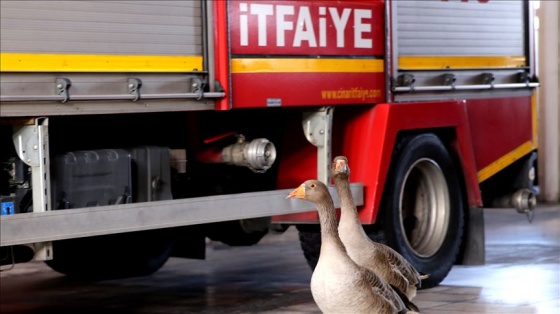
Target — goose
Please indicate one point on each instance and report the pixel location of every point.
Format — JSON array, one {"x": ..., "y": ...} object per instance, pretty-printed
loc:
[
  {"x": 338, "y": 284},
  {"x": 380, "y": 258}
]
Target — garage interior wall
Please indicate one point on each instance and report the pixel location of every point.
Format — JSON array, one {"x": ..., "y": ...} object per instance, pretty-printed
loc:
[{"x": 548, "y": 13}]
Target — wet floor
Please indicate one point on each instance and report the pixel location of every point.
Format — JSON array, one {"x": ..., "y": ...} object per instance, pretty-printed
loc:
[{"x": 521, "y": 275}]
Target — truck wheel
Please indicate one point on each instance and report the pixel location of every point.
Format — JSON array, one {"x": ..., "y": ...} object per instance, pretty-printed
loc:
[
  {"x": 112, "y": 256},
  {"x": 423, "y": 207}
]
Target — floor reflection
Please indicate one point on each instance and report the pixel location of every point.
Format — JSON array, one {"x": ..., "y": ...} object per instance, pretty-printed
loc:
[{"x": 522, "y": 275}]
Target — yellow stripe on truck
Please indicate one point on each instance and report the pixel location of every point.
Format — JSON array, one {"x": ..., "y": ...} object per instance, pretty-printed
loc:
[
  {"x": 290, "y": 65},
  {"x": 30, "y": 62},
  {"x": 505, "y": 161},
  {"x": 460, "y": 62}
]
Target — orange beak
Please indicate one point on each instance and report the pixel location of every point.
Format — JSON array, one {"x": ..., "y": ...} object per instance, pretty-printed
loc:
[
  {"x": 297, "y": 193},
  {"x": 341, "y": 166}
]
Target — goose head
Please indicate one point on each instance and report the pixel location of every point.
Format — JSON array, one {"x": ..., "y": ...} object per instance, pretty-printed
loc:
[
  {"x": 311, "y": 190},
  {"x": 340, "y": 167}
]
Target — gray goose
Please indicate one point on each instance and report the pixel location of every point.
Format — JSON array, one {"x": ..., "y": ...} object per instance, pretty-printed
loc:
[
  {"x": 379, "y": 258},
  {"x": 339, "y": 285}
]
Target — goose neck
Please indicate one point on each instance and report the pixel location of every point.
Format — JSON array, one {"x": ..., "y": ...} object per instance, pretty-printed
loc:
[
  {"x": 346, "y": 200},
  {"x": 329, "y": 224}
]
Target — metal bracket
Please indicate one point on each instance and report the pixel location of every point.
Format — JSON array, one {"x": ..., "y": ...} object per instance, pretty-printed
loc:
[
  {"x": 488, "y": 79},
  {"x": 317, "y": 127},
  {"x": 449, "y": 79},
  {"x": 197, "y": 87},
  {"x": 62, "y": 86},
  {"x": 406, "y": 80},
  {"x": 32, "y": 146},
  {"x": 26, "y": 142},
  {"x": 523, "y": 77},
  {"x": 134, "y": 85}
]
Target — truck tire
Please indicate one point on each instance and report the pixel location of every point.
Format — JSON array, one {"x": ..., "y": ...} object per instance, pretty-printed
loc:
[
  {"x": 112, "y": 256},
  {"x": 422, "y": 211}
]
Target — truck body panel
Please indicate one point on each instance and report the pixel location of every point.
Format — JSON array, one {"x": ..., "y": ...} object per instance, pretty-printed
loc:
[
  {"x": 133, "y": 56},
  {"x": 114, "y": 32},
  {"x": 335, "y": 51},
  {"x": 494, "y": 31}
]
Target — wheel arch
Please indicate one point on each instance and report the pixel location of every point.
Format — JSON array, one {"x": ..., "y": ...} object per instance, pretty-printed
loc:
[
  {"x": 387, "y": 124},
  {"x": 460, "y": 149},
  {"x": 448, "y": 137}
]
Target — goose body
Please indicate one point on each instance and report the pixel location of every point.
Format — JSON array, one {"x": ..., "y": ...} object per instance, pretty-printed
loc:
[
  {"x": 380, "y": 258},
  {"x": 338, "y": 284}
]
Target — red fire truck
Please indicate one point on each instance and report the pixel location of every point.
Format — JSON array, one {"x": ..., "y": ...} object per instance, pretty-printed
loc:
[{"x": 132, "y": 131}]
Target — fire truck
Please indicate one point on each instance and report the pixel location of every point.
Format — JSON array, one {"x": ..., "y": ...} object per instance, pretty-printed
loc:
[{"x": 134, "y": 131}]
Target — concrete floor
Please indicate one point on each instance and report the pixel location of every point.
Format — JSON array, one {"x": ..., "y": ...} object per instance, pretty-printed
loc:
[{"x": 522, "y": 275}]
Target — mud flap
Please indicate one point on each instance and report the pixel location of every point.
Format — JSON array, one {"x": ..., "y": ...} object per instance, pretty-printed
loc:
[{"x": 473, "y": 246}]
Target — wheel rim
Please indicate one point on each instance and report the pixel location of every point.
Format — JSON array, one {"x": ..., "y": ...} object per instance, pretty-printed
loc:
[{"x": 424, "y": 207}]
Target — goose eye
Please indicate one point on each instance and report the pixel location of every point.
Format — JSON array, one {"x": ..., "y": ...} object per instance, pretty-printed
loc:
[{"x": 312, "y": 185}]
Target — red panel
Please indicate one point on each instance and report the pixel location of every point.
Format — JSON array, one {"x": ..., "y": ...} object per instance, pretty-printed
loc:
[
  {"x": 299, "y": 157},
  {"x": 298, "y": 163},
  {"x": 299, "y": 89},
  {"x": 221, "y": 51},
  {"x": 491, "y": 123},
  {"x": 307, "y": 27}
]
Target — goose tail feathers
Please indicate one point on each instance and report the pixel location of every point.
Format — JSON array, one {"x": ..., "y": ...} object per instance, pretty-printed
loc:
[{"x": 408, "y": 304}]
